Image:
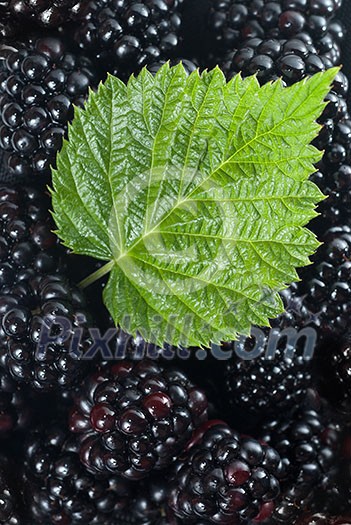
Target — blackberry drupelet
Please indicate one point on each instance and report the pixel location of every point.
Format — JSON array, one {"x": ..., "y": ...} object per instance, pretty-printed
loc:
[
  {"x": 19, "y": 16},
  {"x": 225, "y": 478},
  {"x": 126, "y": 35},
  {"x": 279, "y": 377},
  {"x": 50, "y": 305},
  {"x": 59, "y": 490},
  {"x": 326, "y": 285},
  {"x": 27, "y": 245},
  {"x": 40, "y": 80},
  {"x": 309, "y": 445},
  {"x": 135, "y": 417}
]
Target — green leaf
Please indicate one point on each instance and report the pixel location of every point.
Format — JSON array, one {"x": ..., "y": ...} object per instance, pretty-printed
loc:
[{"x": 195, "y": 192}]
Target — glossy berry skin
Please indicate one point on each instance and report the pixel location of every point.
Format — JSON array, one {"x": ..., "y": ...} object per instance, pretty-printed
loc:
[
  {"x": 327, "y": 284},
  {"x": 278, "y": 379},
  {"x": 59, "y": 490},
  {"x": 127, "y": 34},
  {"x": 40, "y": 80},
  {"x": 135, "y": 417},
  {"x": 44, "y": 304},
  {"x": 45, "y": 13},
  {"x": 232, "y": 23},
  {"x": 27, "y": 245},
  {"x": 308, "y": 444},
  {"x": 225, "y": 478}
]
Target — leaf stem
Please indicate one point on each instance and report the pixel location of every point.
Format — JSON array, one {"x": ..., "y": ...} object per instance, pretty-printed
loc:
[{"x": 95, "y": 276}]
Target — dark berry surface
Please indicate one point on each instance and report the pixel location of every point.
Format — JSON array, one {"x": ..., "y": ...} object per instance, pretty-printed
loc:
[
  {"x": 135, "y": 417},
  {"x": 59, "y": 490},
  {"x": 40, "y": 81},
  {"x": 127, "y": 35},
  {"x": 128, "y": 441},
  {"x": 48, "y": 303},
  {"x": 226, "y": 478}
]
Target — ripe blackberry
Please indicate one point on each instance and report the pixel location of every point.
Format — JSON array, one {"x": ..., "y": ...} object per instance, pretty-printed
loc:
[
  {"x": 278, "y": 377},
  {"x": 126, "y": 35},
  {"x": 308, "y": 444},
  {"x": 232, "y": 22},
  {"x": 322, "y": 519},
  {"x": 327, "y": 284},
  {"x": 48, "y": 305},
  {"x": 40, "y": 80},
  {"x": 15, "y": 407},
  {"x": 225, "y": 478},
  {"x": 59, "y": 490},
  {"x": 45, "y": 13},
  {"x": 135, "y": 417},
  {"x": 27, "y": 244}
]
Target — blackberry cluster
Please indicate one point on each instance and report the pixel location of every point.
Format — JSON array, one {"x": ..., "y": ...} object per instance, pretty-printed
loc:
[
  {"x": 45, "y": 13},
  {"x": 50, "y": 305},
  {"x": 135, "y": 417},
  {"x": 59, "y": 490},
  {"x": 327, "y": 284},
  {"x": 225, "y": 478},
  {"x": 278, "y": 378},
  {"x": 126, "y": 35},
  {"x": 40, "y": 80},
  {"x": 309, "y": 446}
]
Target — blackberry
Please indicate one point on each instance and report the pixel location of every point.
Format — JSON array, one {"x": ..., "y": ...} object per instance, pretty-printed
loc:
[
  {"x": 308, "y": 444},
  {"x": 232, "y": 22},
  {"x": 59, "y": 490},
  {"x": 135, "y": 417},
  {"x": 27, "y": 244},
  {"x": 40, "y": 80},
  {"x": 327, "y": 284},
  {"x": 45, "y": 13},
  {"x": 126, "y": 35},
  {"x": 15, "y": 406},
  {"x": 48, "y": 305},
  {"x": 322, "y": 519},
  {"x": 278, "y": 378},
  {"x": 225, "y": 478}
]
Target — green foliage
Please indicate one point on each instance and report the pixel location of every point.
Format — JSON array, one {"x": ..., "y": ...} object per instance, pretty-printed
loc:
[{"x": 195, "y": 192}]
